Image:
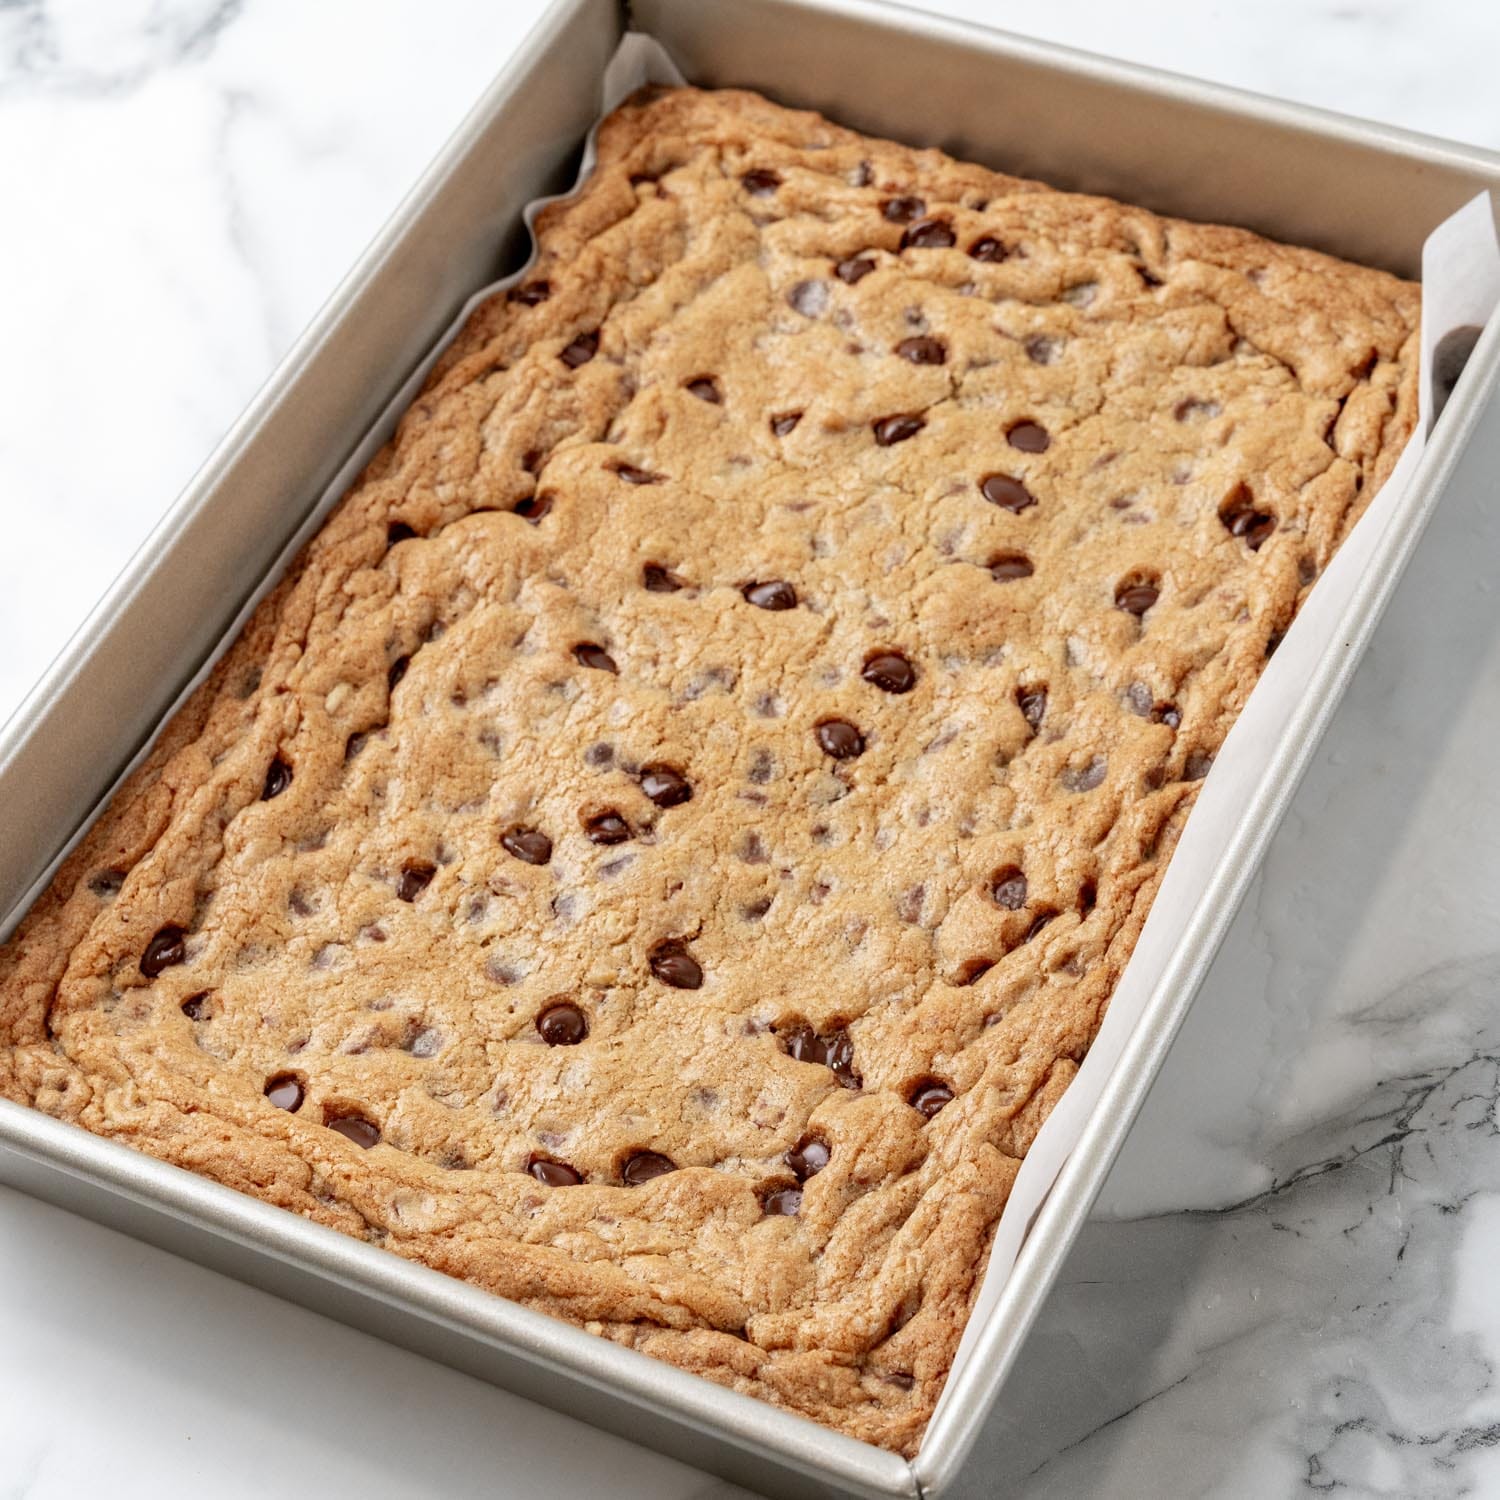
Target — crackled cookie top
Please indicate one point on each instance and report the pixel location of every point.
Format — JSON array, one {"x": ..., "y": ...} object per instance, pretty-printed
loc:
[{"x": 672, "y": 838}]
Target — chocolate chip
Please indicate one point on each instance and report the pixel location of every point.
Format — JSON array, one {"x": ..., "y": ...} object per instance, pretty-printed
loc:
[
  {"x": 1135, "y": 595},
  {"x": 416, "y": 875},
  {"x": 354, "y": 744},
  {"x": 1037, "y": 923},
  {"x": 840, "y": 739},
  {"x": 398, "y": 531},
  {"x": 1041, "y": 350},
  {"x": 923, "y": 350},
  {"x": 355, "y": 1128},
  {"x": 782, "y": 1200},
  {"x": 278, "y": 779},
  {"x": 761, "y": 181},
  {"x": 665, "y": 785},
  {"x": 660, "y": 580},
  {"x": 833, "y": 1050},
  {"x": 533, "y": 507},
  {"x": 808, "y": 1157},
  {"x": 529, "y": 293},
  {"x": 285, "y": 1091},
  {"x": 642, "y": 1166},
  {"x": 810, "y": 298},
  {"x": 587, "y": 654},
  {"x": 1006, "y": 567},
  {"x": 891, "y": 672},
  {"x": 530, "y": 845},
  {"x": 1008, "y": 888},
  {"x": 562, "y": 1024},
  {"x": 195, "y": 1007},
  {"x": 553, "y": 1173},
  {"x": 396, "y": 672},
  {"x": 1166, "y": 713},
  {"x": 897, "y": 428},
  {"x": 106, "y": 882},
  {"x": 854, "y": 268},
  {"x": 928, "y": 234},
  {"x": 581, "y": 350},
  {"x": 1088, "y": 897},
  {"x": 607, "y": 828},
  {"x": 674, "y": 965},
  {"x": 1009, "y": 494},
  {"x": 1197, "y": 767},
  {"x": 1032, "y": 701},
  {"x": 785, "y": 422},
  {"x": 900, "y": 1379},
  {"x": 774, "y": 595},
  {"x": 633, "y": 475},
  {"x": 1029, "y": 437},
  {"x": 903, "y": 210},
  {"x": 705, "y": 388},
  {"x": 929, "y": 1097},
  {"x": 987, "y": 248},
  {"x": 1242, "y": 519},
  {"x": 1192, "y": 409},
  {"x": 165, "y": 949}
]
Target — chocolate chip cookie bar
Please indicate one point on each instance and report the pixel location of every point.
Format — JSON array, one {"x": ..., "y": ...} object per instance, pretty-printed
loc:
[{"x": 672, "y": 837}]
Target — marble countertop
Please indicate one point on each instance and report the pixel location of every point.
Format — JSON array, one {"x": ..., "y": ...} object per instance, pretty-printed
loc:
[{"x": 1288, "y": 1287}]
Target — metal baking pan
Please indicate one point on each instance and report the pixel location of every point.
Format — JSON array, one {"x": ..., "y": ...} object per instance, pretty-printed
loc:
[{"x": 1362, "y": 191}]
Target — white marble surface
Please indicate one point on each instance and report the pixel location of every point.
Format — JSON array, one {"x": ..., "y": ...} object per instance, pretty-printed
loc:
[{"x": 1289, "y": 1288}]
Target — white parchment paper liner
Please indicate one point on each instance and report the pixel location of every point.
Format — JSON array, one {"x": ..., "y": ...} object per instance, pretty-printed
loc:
[{"x": 1461, "y": 287}]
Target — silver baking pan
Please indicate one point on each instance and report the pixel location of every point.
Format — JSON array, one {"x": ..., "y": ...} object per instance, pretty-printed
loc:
[{"x": 1362, "y": 191}]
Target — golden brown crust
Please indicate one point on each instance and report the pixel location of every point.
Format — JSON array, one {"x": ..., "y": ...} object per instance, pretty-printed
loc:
[{"x": 1202, "y": 389}]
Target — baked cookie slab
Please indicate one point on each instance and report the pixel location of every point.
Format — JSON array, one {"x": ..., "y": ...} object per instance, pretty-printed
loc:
[{"x": 671, "y": 839}]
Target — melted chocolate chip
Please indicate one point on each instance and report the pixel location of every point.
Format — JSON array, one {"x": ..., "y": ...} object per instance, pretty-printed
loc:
[
  {"x": 1033, "y": 704},
  {"x": 645, "y": 1165},
  {"x": 106, "y": 882},
  {"x": 987, "y": 248},
  {"x": 900, "y": 1379},
  {"x": 1009, "y": 494},
  {"x": 773, "y": 595},
  {"x": 396, "y": 672},
  {"x": 533, "y": 507},
  {"x": 810, "y": 298},
  {"x": 1088, "y": 897},
  {"x": 607, "y": 828},
  {"x": 562, "y": 1024},
  {"x": 1041, "y": 350},
  {"x": 195, "y": 1007},
  {"x": 530, "y": 845},
  {"x": 808, "y": 1157},
  {"x": 897, "y": 428},
  {"x": 1008, "y": 566},
  {"x": 903, "y": 210},
  {"x": 840, "y": 739},
  {"x": 529, "y": 293},
  {"x": 674, "y": 965},
  {"x": 165, "y": 949},
  {"x": 1008, "y": 888},
  {"x": 553, "y": 1173},
  {"x": 929, "y": 1097},
  {"x": 587, "y": 654},
  {"x": 1037, "y": 923},
  {"x": 833, "y": 1050},
  {"x": 1197, "y": 767},
  {"x": 785, "y": 422},
  {"x": 1029, "y": 437},
  {"x": 928, "y": 234},
  {"x": 355, "y": 1128},
  {"x": 782, "y": 1200},
  {"x": 398, "y": 531},
  {"x": 416, "y": 876},
  {"x": 278, "y": 779},
  {"x": 632, "y": 475},
  {"x": 891, "y": 672},
  {"x": 923, "y": 350},
  {"x": 1242, "y": 519},
  {"x": 854, "y": 268},
  {"x": 285, "y": 1091},
  {"x": 666, "y": 786},
  {"x": 760, "y": 181},
  {"x": 705, "y": 388},
  {"x": 581, "y": 350},
  {"x": 660, "y": 580},
  {"x": 1136, "y": 595}
]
